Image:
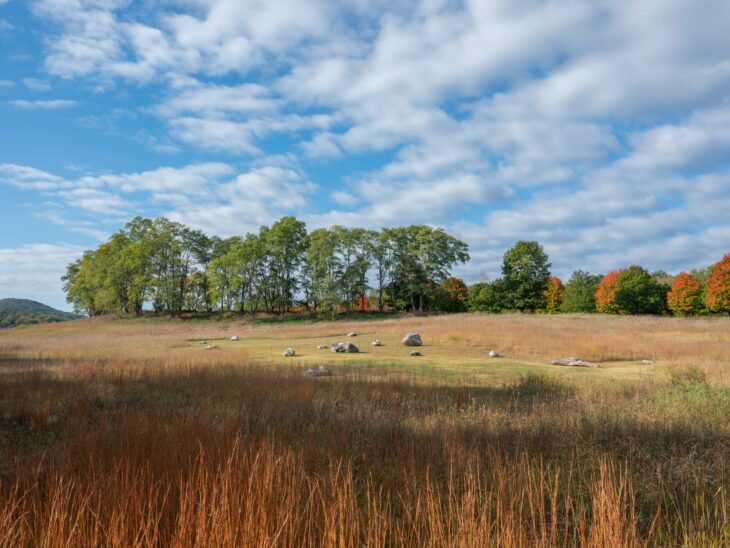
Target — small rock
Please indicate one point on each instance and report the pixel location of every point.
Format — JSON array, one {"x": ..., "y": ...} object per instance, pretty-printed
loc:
[
  {"x": 412, "y": 339},
  {"x": 344, "y": 347},
  {"x": 288, "y": 353},
  {"x": 323, "y": 347},
  {"x": 234, "y": 338},
  {"x": 203, "y": 342},
  {"x": 211, "y": 347},
  {"x": 494, "y": 354},
  {"x": 319, "y": 371},
  {"x": 377, "y": 342},
  {"x": 415, "y": 353},
  {"x": 352, "y": 334},
  {"x": 574, "y": 362},
  {"x": 647, "y": 361}
]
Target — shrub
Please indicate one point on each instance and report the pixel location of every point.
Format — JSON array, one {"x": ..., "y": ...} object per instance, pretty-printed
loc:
[
  {"x": 606, "y": 293},
  {"x": 554, "y": 295},
  {"x": 718, "y": 286},
  {"x": 685, "y": 297},
  {"x": 690, "y": 376},
  {"x": 637, "y": 292}
]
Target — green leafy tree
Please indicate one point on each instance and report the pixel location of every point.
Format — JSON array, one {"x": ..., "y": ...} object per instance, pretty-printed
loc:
[
  {"x": 423, "y": 258},
  {"x": 487, "y": 296},
  {"x": 285, "y": 243},
  {"x": 637, "y": 292},
  {"x": 580, "y": 292},
  {"x": 382, "y": 256},
  {"x": 526, "y": 272}
]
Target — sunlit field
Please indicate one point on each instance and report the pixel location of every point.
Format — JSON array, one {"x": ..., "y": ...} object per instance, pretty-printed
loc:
[{"x": 131, "y": 432}]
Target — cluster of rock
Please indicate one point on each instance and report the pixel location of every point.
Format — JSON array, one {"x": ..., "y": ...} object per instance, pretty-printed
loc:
[
  {"x": 574, "y": 362},
  {"x": 344, "y": 347}
]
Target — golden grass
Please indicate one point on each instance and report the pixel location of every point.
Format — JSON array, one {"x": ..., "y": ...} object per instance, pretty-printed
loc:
[{"x": 129, "y": 433}]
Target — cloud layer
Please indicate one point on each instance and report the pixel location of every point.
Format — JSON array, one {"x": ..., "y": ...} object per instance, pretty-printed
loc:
[{"x": 601, "y": 128}]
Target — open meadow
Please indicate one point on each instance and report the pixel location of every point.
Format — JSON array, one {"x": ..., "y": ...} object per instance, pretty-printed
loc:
[{"x": 131, "y": 432}]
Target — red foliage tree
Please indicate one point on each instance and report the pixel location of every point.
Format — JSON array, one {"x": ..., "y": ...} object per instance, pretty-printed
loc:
[
  {"x": 685, "y": 297},
  {"x": 362, "y": 305},
  {"x": 606, "y": 293},
  {"x": 554, "y": 294},
  {"x": 718, "y": 286}
]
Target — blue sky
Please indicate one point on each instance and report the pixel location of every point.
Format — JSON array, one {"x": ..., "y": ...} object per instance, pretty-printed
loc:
[{"x": 600, "y": 128}]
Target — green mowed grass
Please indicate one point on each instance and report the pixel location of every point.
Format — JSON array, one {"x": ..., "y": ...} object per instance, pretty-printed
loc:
[{"x": 443, "y": 362}]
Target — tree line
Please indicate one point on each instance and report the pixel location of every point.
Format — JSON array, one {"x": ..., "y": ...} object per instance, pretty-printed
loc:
[
  {"x": 171, "y": 268},
  {"x": 527, "y": 285}
]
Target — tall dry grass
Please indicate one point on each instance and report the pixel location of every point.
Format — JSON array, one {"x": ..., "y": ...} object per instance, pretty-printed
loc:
[{"x": 118, "y": 436}]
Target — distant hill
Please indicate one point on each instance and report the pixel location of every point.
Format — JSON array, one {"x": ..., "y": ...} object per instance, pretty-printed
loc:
[{"x": 25, "y": 312}]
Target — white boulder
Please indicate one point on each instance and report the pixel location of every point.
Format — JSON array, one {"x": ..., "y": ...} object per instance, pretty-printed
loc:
[{"x": 412, "y": 339}]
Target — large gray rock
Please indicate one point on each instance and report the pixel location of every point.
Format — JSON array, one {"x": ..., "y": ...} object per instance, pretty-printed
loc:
[
  {"x": 345, "y": 347},
  {"x": 319, "y": 371},
  {"x": 288, "y": 353},
  {"x": 573, "y": 362},
  {"x": 412, "y": 339}
]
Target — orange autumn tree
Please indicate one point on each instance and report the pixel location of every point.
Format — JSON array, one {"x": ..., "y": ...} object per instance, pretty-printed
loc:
[
  {"x": 685, "y": 297},
  {"x": 362, "y": 304},
  {"x": 554, "y": 294},
  {"x": 606, "y": 293},
  {"x": 718, "y": 286}
]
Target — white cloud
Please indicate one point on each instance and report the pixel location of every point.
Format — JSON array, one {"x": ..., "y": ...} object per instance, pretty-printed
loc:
[
  {"x": 34, "y": 84},
  {"x": 599, "y": 128},
  {"x": 35, "y": 268},
  {"x": 51, "y": 104}
]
